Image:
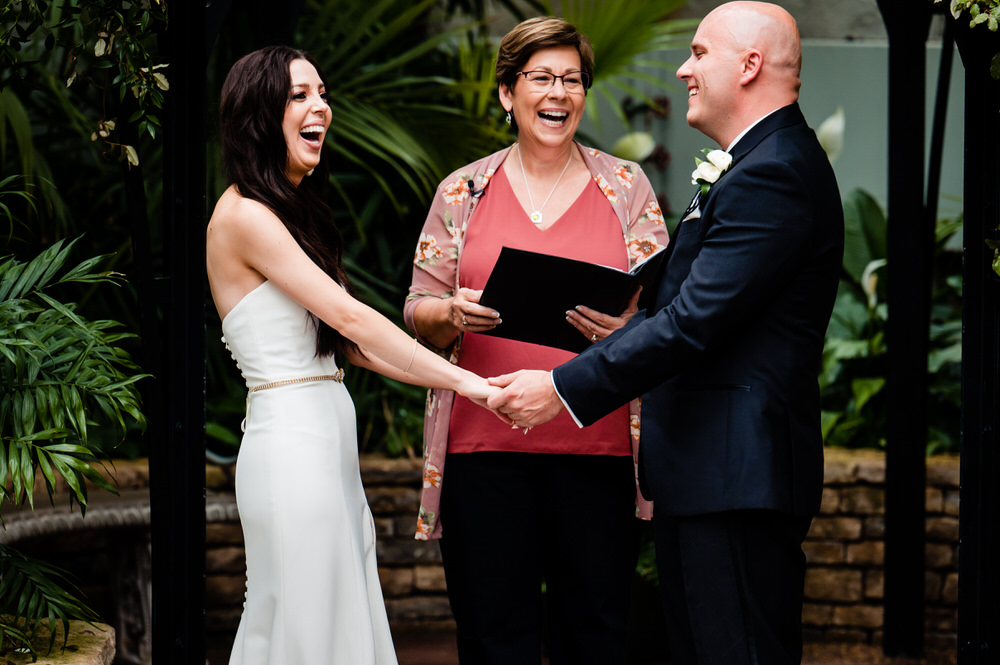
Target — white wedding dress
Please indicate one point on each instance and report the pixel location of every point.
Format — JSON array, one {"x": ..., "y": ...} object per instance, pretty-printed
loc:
[{"x": 313, "y": 594}]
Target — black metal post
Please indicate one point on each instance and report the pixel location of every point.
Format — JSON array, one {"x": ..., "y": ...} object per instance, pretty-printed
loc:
[
  {"x": 910, "y": 250},
  {"x": 938, "y": 126},
  {"x": 979, "y": 522},
  {"x": 177, "y": 462}
]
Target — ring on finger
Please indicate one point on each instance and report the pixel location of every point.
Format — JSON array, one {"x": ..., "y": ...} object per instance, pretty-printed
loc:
[
  {"x": 593, "y": 338},
  {"x": 464, "y": 321}
]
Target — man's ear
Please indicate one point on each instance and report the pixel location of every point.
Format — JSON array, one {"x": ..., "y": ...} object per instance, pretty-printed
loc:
[{"x": 753, "y": 60}]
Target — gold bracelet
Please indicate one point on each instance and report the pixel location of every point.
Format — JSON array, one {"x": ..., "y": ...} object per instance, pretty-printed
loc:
[{"x": 412, "y": 356}]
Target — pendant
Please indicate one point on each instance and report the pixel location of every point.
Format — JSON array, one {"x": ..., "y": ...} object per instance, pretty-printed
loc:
[{"x": 536, "y": 217}]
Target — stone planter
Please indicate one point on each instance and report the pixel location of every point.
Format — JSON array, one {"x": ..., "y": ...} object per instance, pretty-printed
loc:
[{"x": 87, "y": 645}]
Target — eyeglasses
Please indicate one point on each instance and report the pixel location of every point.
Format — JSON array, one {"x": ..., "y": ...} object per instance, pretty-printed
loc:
[{"x": 542, "y": 81}]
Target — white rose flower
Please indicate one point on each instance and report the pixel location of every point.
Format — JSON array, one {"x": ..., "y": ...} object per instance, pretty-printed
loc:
[
  {"x": 720, "y": 158},
  {"x": 707, "y": 172}
]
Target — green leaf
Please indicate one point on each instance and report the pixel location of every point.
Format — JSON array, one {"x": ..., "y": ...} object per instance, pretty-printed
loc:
[
  {"x": 865, "y": 232},
  {"x": 828, "y": 420},
  {"x": 949, "y": 355},
  {"x": 62, "y": 464},
  {"x": 864, "y": 389}
]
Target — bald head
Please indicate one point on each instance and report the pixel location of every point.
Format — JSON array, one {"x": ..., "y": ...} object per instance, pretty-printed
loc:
[
  {"x": 745, "y": 62},
  {"x": 765, "y": 27}
]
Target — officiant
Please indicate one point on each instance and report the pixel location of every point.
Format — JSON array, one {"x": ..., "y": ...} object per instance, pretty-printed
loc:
[{"x": 555, "y": 504}]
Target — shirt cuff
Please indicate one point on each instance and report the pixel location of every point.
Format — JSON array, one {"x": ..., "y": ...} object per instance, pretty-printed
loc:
[{"x": 552, "y": 377}]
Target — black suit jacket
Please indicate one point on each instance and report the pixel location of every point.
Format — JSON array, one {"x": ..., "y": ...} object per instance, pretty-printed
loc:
[{"x": 727, "y": 352}]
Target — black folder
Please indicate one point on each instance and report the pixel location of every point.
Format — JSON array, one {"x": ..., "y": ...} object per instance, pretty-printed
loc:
[{"x": 532, "y": 292}]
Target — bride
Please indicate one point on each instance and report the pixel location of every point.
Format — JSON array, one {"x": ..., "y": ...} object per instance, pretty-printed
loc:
[{"x": 275, "y": 272}]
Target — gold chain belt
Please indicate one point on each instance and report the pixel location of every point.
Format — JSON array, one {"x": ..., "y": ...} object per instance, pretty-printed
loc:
[{"x": 338, "y": 376}]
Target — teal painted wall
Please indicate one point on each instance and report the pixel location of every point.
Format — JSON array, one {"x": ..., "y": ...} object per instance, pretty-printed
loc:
[{"x": 835, "y": 74}]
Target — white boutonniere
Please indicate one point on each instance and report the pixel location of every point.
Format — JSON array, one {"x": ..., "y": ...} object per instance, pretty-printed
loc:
[{"x": 710, "y": 169}]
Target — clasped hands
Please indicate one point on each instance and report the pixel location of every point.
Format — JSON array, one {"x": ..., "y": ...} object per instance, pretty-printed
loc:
[
  {"x": 528, "y": 397},
  {"x": 525, "y": 398}
]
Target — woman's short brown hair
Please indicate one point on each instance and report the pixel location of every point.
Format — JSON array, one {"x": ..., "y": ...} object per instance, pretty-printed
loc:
[{"x": 535, "y": 34}]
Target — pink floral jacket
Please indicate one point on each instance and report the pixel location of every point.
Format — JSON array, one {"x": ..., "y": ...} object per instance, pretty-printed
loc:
[{"x": 435, "y": 275}]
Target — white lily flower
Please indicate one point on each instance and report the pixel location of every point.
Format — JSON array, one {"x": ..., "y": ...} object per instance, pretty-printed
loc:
[
  {"x": 831, "y": 134},
  {"x": 869, "y": 281},
  {"x": 634, "y": 146}
]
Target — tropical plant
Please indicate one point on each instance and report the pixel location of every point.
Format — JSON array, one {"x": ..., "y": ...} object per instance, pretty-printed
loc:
[
  {"x": 854, "y": 369},
  {"x": 65, "y": 378},
  {"x": 91, "y": 36},
  {"x": 60, "y": 121}
]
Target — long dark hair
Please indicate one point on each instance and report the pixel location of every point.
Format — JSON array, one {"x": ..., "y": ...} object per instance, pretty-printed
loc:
[{"x": 251, "y": 110}]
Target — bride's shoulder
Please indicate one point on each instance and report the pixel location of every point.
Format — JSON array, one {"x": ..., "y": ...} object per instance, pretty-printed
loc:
[{"x": 236, "y": 214}]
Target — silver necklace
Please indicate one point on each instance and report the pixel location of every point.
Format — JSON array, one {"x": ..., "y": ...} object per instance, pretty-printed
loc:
[{"x": 536, "y": 215}]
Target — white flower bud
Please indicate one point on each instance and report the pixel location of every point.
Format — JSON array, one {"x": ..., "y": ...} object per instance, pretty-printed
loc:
[{"x": 831, "y": 134}]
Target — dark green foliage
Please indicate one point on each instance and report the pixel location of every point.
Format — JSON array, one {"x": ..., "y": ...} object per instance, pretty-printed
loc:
[
  {"x": 62, "y": 377},
  {"x": 853, "y": 376}
]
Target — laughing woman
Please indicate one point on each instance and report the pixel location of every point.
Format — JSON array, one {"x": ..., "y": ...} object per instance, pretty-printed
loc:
[
  {"x": 274, "y": 268},
  {"x": 555, "y": 504}
]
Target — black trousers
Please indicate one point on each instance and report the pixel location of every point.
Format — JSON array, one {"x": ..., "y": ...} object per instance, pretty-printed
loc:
[
  {"x": 732, "y": 586},
  {"x": 512, "y": 520}
]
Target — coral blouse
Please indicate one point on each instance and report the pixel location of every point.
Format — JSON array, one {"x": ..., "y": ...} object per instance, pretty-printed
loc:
[{"x": 588, "y": 231}]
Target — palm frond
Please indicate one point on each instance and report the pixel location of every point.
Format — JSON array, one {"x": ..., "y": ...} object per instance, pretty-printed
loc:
[
  {"x": 63, "y": 375},
  {"x": 37, "y": 592}
]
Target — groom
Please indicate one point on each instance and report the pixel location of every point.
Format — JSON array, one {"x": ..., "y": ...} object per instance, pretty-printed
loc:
[{"x": 726, "y": 355}]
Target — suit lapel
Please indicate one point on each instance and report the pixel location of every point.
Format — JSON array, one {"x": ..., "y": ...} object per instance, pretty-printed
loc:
[{"x": 783, "y": 117}]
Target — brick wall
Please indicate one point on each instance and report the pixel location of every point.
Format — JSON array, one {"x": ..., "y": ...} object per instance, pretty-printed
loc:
[
  {"x": 845, "y": 552},
  {"x": 844, "y": 582}
]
